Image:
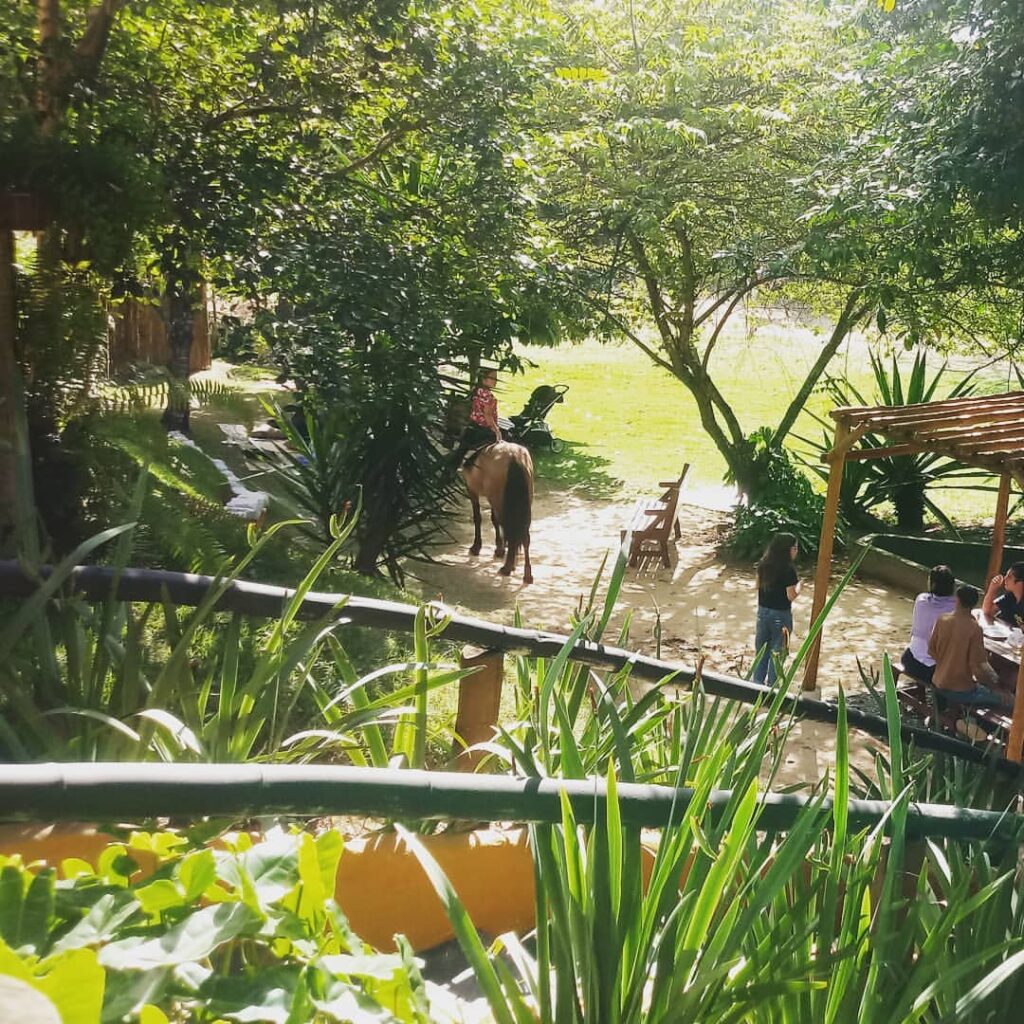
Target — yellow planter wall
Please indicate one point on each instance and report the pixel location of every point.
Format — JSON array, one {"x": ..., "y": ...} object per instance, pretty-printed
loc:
[{"x": 380, "y": 884}]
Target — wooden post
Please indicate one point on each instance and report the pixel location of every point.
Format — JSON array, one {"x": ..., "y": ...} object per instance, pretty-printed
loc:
[
  {"x": 999, "y": 529},
  {"x": 825, "y": 543},
  {"x": 479, "y": 701},
  {"x": 1015, "y": 743},
  {"x": 8, "y": 365}
]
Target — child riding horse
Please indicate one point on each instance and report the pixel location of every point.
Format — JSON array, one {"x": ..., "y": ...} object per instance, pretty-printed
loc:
[{"x": 503, "y": 474}]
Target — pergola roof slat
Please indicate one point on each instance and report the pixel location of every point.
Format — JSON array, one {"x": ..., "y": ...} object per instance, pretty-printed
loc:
[
  {"x": 925, "y": 419},
  {"x": 879, "y": 413},
  {"x": 986, "y": 432},
  {"x": 957, "y": 434}
]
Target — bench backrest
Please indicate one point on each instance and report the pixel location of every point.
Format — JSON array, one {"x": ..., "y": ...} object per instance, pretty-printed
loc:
[{"x": 671, "y": 495}]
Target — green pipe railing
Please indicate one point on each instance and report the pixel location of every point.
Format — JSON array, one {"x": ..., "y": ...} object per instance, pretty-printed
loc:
[
  {"x": 97, "y": 583},
  {"x": 94, "y": 792}
]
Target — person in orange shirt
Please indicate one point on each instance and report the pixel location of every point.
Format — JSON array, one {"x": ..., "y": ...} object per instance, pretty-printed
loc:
[{"x": 961, "y": 662}]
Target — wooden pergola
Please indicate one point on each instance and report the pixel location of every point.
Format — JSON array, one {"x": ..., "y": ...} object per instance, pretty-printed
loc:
[{"x": 986, "y": 432}]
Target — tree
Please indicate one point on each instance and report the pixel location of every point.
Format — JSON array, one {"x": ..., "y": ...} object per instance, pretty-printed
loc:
[
  {"x": 925, "y": 200},
  {"x": 678, "y": 170},
  {"x": 51, "y": 58},
  {"x": 401, "y": 274}
]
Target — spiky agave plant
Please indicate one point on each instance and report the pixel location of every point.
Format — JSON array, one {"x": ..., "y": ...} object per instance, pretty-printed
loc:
[{"x": 904, "y": 480}]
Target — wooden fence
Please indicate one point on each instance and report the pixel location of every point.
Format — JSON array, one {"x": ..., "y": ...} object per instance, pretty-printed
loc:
[{"x": 138, "y": 334}]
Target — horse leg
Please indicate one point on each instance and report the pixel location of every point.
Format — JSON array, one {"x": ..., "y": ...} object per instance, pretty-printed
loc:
[
  {"x": 527, "y": 569},
  {"x": 510, "y": 560},
  {"x": 477, "y": 518},
  {"x": 499, "y": 540}
]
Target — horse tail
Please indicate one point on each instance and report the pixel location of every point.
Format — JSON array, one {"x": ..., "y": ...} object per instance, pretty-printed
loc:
[{"x": 515, "y": 504}]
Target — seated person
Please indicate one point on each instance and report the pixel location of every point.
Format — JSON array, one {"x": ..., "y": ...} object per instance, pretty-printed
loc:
[
  {"x": 483, "y": 425},
  {"x": 961, "y": 664},
  {"x": 1008, "y": 606},
  {"x": 927, "y": 608}
]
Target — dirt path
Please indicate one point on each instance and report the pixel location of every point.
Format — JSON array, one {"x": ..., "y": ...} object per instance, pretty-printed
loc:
[{"x": 706, "y": 606}]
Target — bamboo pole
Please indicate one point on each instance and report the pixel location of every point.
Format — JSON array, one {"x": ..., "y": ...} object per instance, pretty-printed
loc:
[
  {"x": 999, "y": 527},
  {"x": 825, "y": 544},
  {"x": 261, "y": 600},
  {"x": 479, "y": 703},
  {"x": 98, "y": 791}
]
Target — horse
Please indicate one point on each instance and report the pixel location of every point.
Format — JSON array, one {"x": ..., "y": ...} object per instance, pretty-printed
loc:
[{"x": 502, "y": 473}]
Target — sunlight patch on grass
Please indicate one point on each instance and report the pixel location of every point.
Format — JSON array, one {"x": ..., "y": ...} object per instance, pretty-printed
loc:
[{"x": 628, "y": 424}]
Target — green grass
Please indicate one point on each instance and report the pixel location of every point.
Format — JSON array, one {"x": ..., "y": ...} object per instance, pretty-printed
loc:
[{"x": 628, "y": 424}]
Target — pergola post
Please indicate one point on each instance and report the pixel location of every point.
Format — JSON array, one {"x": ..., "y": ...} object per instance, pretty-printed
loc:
[
  {"x": 837, "y": 460},
  {"x": 1015, "y": 743},
  {"x": 999, "y": 528}
]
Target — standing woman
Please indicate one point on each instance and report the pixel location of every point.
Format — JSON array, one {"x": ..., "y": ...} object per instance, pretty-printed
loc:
[{"x": 777, "y": 588}]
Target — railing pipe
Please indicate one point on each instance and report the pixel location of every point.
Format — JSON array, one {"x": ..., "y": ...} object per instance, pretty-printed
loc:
[
  {"x": 93, "y": 791},
  {"x": 263, "y": 600}
]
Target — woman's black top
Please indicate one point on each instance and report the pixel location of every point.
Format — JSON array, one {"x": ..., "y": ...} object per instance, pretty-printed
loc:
[{"x": 775, "y": 596}]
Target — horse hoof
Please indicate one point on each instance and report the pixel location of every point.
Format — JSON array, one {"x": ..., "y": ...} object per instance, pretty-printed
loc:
[
  {"x": 527, "y": 579},
  {"x": 505, "y": 570},
  {"x": 475, "y": 549},
  {"x": 499, "y": 552}
]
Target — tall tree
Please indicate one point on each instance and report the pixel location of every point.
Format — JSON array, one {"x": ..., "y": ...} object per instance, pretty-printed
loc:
[
  {"x": 49, "y": 64},
  {"x": 678, "y": 165}
]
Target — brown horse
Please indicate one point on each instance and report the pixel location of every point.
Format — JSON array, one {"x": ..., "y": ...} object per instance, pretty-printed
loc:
[{"x": 503, "y": 474}]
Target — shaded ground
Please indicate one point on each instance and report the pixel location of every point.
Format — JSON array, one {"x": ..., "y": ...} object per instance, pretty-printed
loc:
[{"x": 705, "y": 606}]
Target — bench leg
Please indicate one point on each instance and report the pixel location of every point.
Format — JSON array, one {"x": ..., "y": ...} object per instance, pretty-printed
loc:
[
  {"x": 679, "y": 532},
  {"x": 664, "y": 555}
]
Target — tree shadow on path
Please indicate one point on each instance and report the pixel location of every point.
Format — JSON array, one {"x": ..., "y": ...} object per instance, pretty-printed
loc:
[{"x": 574, "y": 467}]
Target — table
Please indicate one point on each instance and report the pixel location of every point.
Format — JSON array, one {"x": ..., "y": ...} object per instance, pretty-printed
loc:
[
  {"x": 1001, "y": 648},
  {"x": 1011, "y": 653}
]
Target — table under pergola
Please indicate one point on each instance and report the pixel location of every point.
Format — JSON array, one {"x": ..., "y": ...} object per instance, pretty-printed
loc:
[{"x": 985, "y": 432}]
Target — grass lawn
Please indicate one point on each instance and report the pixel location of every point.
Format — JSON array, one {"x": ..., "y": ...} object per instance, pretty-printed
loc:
[{"x": 628, "y": 424}]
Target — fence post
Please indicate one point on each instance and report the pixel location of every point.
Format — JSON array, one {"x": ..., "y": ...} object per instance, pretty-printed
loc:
[{"x": 479, "y": 700}]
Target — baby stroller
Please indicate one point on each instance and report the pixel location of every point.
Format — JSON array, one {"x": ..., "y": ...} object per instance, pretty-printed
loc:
[{"x": 530, "y": 427}]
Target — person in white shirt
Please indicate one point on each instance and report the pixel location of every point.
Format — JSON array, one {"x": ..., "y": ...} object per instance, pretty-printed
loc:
[{"x": 939, "y": 600}]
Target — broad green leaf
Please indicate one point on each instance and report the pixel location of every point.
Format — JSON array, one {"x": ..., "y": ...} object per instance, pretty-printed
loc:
[{"x": 195, "y": 938}]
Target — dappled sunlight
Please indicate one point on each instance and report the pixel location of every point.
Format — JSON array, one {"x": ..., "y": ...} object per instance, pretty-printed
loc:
[{"x": 706, "y": 607}]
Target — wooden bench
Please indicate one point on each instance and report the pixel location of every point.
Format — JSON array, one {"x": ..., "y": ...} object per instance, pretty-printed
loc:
[
  {"x": 651, "y": 523},
  {"x": 924, "y": 700}
]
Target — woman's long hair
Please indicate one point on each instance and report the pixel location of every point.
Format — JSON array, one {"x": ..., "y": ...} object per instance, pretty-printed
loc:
[{"x": 775, "y": 560}]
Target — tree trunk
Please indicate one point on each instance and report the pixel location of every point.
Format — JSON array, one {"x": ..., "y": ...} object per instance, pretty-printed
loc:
[
  {"x": 180, "y": 321},
  {"x": 8, "y": 325},
  {"x": 908, "y": 500}
]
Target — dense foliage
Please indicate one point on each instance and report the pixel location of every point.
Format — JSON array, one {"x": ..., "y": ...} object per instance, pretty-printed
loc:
[{"x": 247, "y": 931}]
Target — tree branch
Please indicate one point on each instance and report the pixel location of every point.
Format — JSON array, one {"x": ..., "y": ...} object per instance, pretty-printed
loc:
[
  {"x": 93, "y": 44},
  {"x": 384, "y": 144},
  {"x": 716, "y": 333},
  {"x": 848, "y": 319},
  {"x": 747, "y": 286},
  {"x": 242, "y": 112},
  {"x": 633, "y": 337},
  {"x": 653, "y": 291}
]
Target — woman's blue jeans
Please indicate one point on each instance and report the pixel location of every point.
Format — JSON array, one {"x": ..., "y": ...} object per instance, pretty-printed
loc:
[{"x": 770, "y": 624}]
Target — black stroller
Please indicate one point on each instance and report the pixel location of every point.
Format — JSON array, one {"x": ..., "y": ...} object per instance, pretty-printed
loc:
[{"x": 530, "y": 427}]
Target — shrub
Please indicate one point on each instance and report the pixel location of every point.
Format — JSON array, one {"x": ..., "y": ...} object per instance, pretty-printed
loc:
[
  {"x": 250, "y": 931},
  {"x": 784, "y": 499}
]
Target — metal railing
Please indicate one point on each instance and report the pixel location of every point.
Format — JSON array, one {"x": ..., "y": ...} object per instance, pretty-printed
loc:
[
  {"x": 97, "y": 583},
  {"x": 123, "y": 792}
]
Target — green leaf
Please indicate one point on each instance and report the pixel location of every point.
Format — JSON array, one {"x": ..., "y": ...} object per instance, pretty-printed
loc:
[
  {"x": 195, "y": 938},
  {"x": 102, "y": 922},
  {"x": 197, "y": 872}
]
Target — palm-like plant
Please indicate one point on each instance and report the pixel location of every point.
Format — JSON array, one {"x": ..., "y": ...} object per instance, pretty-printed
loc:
[
  {"x": 388, "y": 461},
  {"x": 903, "y": 480}
]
